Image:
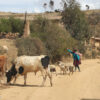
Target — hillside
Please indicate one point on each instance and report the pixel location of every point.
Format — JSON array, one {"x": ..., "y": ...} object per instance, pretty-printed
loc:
[
  {"x": 31, "y": 16},
  {"x": 92, "y": 15}
]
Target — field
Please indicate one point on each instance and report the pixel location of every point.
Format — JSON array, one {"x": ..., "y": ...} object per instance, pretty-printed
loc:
[
  {"x": 84, "y": 85},
  {"x": 31, "y": 16}
]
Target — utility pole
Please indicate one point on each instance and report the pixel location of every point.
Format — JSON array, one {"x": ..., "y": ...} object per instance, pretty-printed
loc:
[{"x": 26, "y": 27}]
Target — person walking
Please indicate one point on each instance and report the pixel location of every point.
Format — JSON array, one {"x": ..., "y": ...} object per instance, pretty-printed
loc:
[{"x": 76, "y": 59}]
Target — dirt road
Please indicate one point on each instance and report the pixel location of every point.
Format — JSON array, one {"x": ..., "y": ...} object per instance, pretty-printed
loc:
[{"x": 84, "y": 85}]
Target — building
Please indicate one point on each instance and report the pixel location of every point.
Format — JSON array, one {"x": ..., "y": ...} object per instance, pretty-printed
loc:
[{"x": 95, "y": 42}]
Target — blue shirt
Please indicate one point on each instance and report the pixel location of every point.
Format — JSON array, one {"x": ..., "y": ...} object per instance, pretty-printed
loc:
[{"x": 75, "y": 56}]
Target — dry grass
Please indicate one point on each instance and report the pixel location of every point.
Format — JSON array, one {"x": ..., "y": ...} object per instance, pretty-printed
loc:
[{"x": 31, "y": 16}]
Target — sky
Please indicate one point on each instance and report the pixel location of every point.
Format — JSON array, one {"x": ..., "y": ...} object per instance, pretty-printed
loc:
[{"x": 36, "y": 6}]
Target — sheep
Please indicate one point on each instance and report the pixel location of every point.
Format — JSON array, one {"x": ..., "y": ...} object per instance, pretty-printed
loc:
[
  {"x": 5, "y": 48},
  {"x": 71, "y": 69},
  {"x": 52, "y": 69},
  {"x": 24, "y": 64},
  {"x": 63, "y": 67}
]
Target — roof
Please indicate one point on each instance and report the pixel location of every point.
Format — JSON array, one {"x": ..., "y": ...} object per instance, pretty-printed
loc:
[{"x": 95, "y": 38}]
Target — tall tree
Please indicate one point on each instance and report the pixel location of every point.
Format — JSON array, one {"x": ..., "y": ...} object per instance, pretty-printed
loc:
[
  {"x": 87, "y": 7},
  {"x": 75, "y": 21},
  {"x": 45, "y": 6},
  {"x": 51, "y": 4}
]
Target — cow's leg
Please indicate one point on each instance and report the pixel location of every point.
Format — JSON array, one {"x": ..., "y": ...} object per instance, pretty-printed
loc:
[
  {"x": 72, "y": 71},
  {"x": 69, "y": 73},
  {"x": 44, "y": 76},
  {"x": 25, "y": 76},
  {"x": 14, "y": 79},
  {"x": 63, "y": 71},
  {"x": 48, "y": 73},
  {"x": 56, "y": 73},
  {"x": 50, "y": 77},
  {"x": 0, "y": 77},
  {"x": 60, "y": 71},
  {"x": 44, "y": 79}
]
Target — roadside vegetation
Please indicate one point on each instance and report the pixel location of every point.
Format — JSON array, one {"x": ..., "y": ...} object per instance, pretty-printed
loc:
[{"x": 48, "y": 37}]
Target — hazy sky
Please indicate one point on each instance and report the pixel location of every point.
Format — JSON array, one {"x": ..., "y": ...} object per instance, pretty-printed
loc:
[{"x": 37, "y": 5}]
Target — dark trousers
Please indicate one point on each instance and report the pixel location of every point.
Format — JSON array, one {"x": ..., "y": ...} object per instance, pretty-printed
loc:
[{"x": 77, "y": 67}]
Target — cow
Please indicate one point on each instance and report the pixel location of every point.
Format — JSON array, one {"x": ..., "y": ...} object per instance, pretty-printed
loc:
[
  {"x": 3, "y": 61},
  {"x": 24, "y": 64}
]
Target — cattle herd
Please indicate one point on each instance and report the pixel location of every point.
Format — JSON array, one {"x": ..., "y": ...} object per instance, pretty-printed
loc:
[{"x": 22, "y": 65}]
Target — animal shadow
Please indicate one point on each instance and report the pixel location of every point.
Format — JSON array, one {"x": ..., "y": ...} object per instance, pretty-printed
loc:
[
  {"x": 90, "y": 99},
  {"x": 22, "y": 85}
]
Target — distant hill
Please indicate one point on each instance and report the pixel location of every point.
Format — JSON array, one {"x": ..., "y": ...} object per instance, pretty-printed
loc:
[
  {"x": 88, "y": 12},
  {"x": 92, "y": 15},
  {"x": 31, "y": 16}
]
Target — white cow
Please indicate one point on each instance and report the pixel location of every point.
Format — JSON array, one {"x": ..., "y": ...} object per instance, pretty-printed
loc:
[{"x": 24, "y": 64}]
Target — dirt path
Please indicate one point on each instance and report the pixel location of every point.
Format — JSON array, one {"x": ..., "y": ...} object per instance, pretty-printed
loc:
[{"x": 84, "y": 85}]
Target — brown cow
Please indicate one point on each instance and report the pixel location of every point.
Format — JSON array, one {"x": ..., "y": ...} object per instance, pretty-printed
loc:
[{"x": 3, "y": 60}]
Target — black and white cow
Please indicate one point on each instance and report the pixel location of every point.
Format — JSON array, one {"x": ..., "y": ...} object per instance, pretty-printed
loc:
[{"x": 24, "y": 64}]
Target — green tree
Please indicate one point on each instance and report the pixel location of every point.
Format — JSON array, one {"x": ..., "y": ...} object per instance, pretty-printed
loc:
[
  {"x": 45, "y": 6},
  {"x": 75, "y": 21},
  {"x": 51, "y": 4},
  {"x": 17, "y": 25},
  {"x": 5, "y": 25},
  {"x": 11, "y": 25}
]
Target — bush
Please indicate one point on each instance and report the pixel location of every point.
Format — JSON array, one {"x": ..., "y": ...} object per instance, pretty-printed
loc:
[
  {"x": 5, "y": 25},
  {"x": 17, "y": 25},
  {"x": 94, "y": 54},
  {"x": 11, "y": 25},
  {"x": 30, "y": 46}
]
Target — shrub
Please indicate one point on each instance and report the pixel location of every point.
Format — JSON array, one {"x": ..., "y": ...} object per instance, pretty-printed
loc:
[
  {"x": 17, "y": 25},
  {"x": 5, "y": 25},
  {"x": 94, "y": 54},
  {"x": 11, "y": 25},
  {"x": 30, "y": 46}
]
